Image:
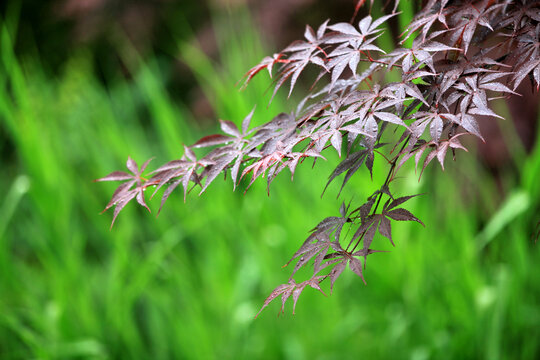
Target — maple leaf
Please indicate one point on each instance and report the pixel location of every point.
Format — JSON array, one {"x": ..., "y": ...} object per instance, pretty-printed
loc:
[
  {"x": 465, "y": 20},
  {"x": 125, "y": 193},
  {"x": 435, "y": 119},
  {"x": 221, "y": 158},
  {"x": 417, "y": 56},
  {"x": 316, "y": 243},
  {"x": 434, "y": 11},
  {"x": 527, "y": 56},
  {"x": 340, "y": 261},
  {"x": 291, "y": 288},
  {"x": 267, "y": 62},
  {"x": 301, "y": 53},
  {"x": 353, "y": 44}
]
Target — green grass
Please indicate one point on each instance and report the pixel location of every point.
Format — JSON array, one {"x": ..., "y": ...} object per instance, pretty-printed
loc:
[{"x": 187, "y": 284}]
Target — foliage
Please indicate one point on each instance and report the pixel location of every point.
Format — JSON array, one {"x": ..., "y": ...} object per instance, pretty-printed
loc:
[
  {"x": 159, "y": 289},
  {"x": 463, "y": 55}
]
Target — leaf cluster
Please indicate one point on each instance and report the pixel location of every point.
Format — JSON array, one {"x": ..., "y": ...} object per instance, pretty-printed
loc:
[{"x": 463, "y": 55}]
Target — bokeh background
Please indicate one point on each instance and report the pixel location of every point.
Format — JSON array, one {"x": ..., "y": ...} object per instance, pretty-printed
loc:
[{"x": 86, "y": 83}]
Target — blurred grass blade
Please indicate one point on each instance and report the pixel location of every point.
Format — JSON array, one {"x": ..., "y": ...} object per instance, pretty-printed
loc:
[
  {"x": 18, "y": 189},
  {"x": 513, "y": 207}
]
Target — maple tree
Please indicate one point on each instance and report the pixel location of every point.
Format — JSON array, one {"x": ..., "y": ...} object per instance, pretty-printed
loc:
[{"x": 463, "y": 55}]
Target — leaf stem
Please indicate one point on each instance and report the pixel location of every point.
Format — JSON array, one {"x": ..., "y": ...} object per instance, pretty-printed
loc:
[{"x": 386, "y": 182}]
